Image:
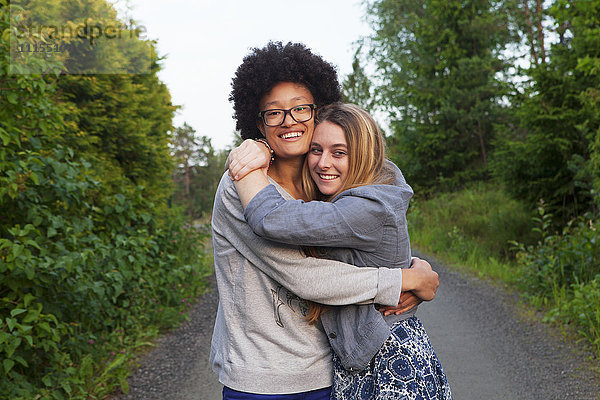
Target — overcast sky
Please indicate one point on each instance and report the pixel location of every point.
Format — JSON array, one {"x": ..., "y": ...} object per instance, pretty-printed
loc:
[{"x": 205, "y": 41}]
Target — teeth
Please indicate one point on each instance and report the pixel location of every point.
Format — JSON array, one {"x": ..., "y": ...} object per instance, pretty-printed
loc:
[
  {"x": 291, "y": 135},
  {"x": 327, "y": 177}
]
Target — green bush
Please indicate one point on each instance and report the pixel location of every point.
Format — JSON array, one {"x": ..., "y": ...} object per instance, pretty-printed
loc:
[
  {"x": 562, "y": 275},
  {"x": 90, "y": 267},
  {"x": 572, "y": 257},
  {"x": 482, "y": 215},
  {"x": 84, "y": 275},
  {"x": 578, "y": 306}
]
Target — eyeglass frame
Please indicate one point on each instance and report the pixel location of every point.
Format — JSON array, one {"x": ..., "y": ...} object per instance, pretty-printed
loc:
[{"x": 312, "y": 107}]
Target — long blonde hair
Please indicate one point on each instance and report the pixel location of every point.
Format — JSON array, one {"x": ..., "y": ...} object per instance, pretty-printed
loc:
[{"x": 366, "y": 162}]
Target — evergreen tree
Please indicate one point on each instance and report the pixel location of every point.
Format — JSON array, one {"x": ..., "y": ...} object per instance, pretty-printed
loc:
[
  {"x": 357, "y": 87},
  {"x": 184, "y": 148},
  {"x": 552, "y": 151},
  {"x": 198, "y": 171},
  {"x": 438, "y": 63},
  {"x": 207, "y": 175}
]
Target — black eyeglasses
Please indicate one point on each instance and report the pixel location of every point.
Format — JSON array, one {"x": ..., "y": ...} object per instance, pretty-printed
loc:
[{"x": 276, "y": 116}]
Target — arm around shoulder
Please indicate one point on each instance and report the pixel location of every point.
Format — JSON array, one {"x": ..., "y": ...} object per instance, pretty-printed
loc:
[{"x": 324, "y": 281}]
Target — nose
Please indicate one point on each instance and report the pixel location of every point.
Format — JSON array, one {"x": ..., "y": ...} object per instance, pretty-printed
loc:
[
  {"x": 288, "y": 120},
  {"x": 324, "y": 161}
]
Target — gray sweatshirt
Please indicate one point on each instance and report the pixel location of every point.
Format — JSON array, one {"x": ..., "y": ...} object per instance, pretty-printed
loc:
[
  {"x": 261, "y": 342},
  {"x": 365, "y": 226}
]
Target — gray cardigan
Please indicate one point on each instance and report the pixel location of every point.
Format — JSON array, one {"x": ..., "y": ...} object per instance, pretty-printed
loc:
[
  {"x": 261, "y": 341},
  {"x": 364, "y": 226}
]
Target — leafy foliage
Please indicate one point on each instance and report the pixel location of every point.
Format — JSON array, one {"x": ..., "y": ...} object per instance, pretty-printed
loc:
[
  {"x": 91, "y": 262},
  {"x": 198, "y": 171},
  {"x": 482, "y": 214},
  {"x": 562, "y": 273},
  {"x": 551, "y": 150},
  {"x": 438, "y": 63},
  {"x": 120, "y": 124},
  {"x": 560, "y": 260}
]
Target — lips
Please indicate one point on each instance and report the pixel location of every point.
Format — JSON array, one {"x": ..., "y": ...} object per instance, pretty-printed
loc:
[
  {"x": 328, "y": 177},
  {"x": 291, "y": 135}
]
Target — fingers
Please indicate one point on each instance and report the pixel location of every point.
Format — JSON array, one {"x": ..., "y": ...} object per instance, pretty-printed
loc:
[
  {"x": 408, "y": 300},
  {"x": 404, "y": 307},
  {"x": 243, "y": 165},
  {"x": 240, "y": 160},
  {"x": 246, "y": 158},
  {"x": 400, "y": 310},
  {"x": 240, "y": 173},
  {"x": 418, "y": 263}
]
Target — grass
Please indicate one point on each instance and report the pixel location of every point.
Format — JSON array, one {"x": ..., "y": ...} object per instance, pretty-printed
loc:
[
  {"x": 471, "y": 229},
  {"x": 477, "y": 229}
]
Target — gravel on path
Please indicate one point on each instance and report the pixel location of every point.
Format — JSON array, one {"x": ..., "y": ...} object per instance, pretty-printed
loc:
[
  {"x": 178, "y": 368},
  {"x": 490, "y": 346}
]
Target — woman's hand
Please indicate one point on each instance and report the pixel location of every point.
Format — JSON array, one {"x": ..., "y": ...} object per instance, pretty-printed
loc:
[
  {"x": 419, "y": 283},
  {"x": 407, "y": 302},
  {"x": 420, "y": 279},
  {"x": 247, "y": 157}
]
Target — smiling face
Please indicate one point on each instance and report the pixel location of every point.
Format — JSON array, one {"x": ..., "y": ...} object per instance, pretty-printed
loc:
[
  {"x": 328, "y": 157},
  {"x": 290, "y": 139}
]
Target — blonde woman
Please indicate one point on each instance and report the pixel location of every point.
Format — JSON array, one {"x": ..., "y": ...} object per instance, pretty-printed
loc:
[{"x": 357, "y": 215}]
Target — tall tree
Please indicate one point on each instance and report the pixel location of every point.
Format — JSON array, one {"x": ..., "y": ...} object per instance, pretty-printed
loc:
[
  {"x": 198, "y": 171},
  {"x": 207, "y": 174},
  {"x": 122, "y": 124},
  {"x": 357, "y": 88},
  {"x": 552, "y": 152},
  {"x": 438, "y": 63},
  {"x": 184, "y": 147}
]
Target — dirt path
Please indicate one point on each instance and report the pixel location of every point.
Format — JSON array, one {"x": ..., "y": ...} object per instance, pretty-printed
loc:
[
  {"x": 178, "y": 368},
  {"x": 487, "y": 349},
  {"x": 490, "y": 350}
]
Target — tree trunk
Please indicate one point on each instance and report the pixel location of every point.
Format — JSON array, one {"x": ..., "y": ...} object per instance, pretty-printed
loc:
[
  {"x": 481, "y": 142},
  {"x": 187, "y": 178},
  {"x": 540, "y": 16},
  {"x": 530, "y": 34}
]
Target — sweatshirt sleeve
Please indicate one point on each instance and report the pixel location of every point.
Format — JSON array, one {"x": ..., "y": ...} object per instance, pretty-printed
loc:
[
  {"x": 353, "y": 220},
  {"x": 320, "y": 280}
]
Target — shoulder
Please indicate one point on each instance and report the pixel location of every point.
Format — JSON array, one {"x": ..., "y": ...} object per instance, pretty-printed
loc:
[
  {"x": 383, "y": 194},
  {"x": 226, "y": 197},
  {"x": 388, "y": 196},
  {"x": 226, "y": 187},
  {"x": 400, "y": 181}
]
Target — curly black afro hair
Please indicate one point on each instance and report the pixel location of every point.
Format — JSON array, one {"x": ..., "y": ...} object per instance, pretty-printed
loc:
[{"x": 264, "y": 68}]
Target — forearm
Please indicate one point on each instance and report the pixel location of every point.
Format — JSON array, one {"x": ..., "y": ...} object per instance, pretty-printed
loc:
[
  {"x": 352, "y": 221},
  {"x": 320, "y": 280},
  {"x": 421, "y": 279},
  {"x": 250, "y": 185}
]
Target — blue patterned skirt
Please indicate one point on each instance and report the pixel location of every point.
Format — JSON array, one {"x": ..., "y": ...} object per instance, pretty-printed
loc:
[{"x": 405, "y": 368}]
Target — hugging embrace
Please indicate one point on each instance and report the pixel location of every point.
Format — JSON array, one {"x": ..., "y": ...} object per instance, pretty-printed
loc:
[{"x": 317, "y": 287}]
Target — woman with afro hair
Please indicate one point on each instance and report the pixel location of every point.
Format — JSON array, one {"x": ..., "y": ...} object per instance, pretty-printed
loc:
[{"x": 263, "y": 346}]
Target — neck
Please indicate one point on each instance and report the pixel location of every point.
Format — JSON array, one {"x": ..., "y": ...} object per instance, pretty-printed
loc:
[{"x": 288, "y": 174}]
